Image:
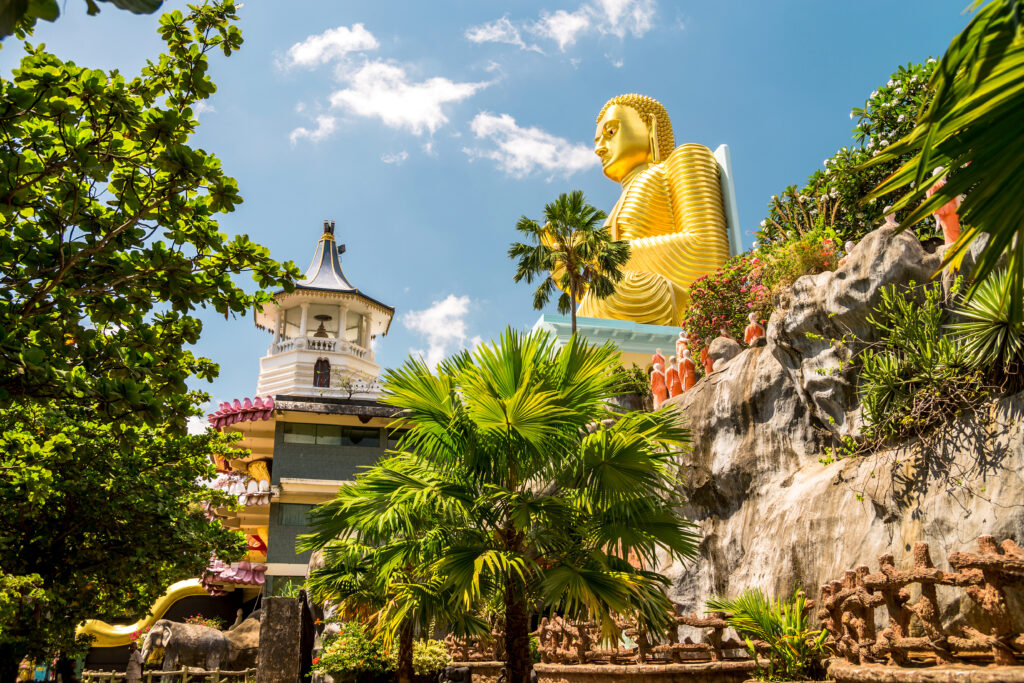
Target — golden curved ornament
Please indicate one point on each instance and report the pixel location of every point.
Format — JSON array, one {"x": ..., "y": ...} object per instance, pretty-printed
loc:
[{"x": 111, "y": 635}]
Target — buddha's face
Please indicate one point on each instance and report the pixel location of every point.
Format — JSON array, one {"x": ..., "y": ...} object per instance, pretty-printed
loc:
[{"x": 622, "y": 141}]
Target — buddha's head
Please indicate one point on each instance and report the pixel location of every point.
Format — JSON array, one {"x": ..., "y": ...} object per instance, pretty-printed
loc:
[{"x": 632, "y": 130}]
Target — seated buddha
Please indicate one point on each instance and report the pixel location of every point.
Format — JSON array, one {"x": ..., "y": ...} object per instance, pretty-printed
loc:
[{"x": 670, "y": 211}]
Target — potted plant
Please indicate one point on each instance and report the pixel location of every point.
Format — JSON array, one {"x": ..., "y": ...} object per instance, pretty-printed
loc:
[{"x": 795, "y": 650}]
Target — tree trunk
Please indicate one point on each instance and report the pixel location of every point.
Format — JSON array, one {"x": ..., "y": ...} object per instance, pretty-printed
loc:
[
  {"x": 518, "y": 660},
  {"x": 405, "y": 641},
  {"x": 573, "y": 309},
  {"x": 10, "y": 659}
]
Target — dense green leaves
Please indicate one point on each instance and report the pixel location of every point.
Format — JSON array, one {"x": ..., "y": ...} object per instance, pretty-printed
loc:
[
  {"x": 572, "y": 251},
  {"x": 974, "y": 129},
  {"x": 97, "y": 519},
  {"x": 109, "y": 240},
  {"x": 517, "y": 482},
  {"x": 987, "y": 330},
  {"x": 108, "y": 247}
]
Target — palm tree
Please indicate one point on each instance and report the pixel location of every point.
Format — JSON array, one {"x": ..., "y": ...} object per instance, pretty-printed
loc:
[
  {"x": 573, "y": 251},
  {"x": 974, "y": 127},
  {"x": 377, "y": 552},
  {"x": 533, "y": 489}
]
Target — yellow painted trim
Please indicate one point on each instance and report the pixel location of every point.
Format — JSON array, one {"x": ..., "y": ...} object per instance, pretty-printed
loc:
[{"x": 109, "y": 635}]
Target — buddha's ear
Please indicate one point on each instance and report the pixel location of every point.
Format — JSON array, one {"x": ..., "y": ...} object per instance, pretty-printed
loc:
[{"x": 655, "y": 147}]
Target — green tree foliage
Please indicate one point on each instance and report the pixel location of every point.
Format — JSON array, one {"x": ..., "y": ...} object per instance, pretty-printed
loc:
[
  {"x": 98, "y": 518},
  {"x": 572, "y": 251},
  {"x": 20, "y": 16},
  {"x": 973, "y": 126},
  {"x": 833, "y": 198},
  {"x": 109, "y": 242},
  {"x": 530, "y": 493},
  {"x": 795, "y": 650},
  {"x": 108, "y": 247}
]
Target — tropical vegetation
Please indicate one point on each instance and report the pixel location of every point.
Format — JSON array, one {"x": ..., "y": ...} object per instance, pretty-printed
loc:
[
  {"x": 572, "y": 251},
  {"x": 795, "y": 650},
  {"x": 110, "y": 247},
  {"x": 534, "y": 492},
  {"x": 972, "y": 128}
]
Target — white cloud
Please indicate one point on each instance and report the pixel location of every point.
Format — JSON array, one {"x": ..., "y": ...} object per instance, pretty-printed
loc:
[
  {"x": 203, "y": 107},
  {"x": 196, "y": 424},
  {"x": 562, "y": 27},
  {"x": 595, "y": 17},
  {"x": 521, "y": 151},
  {"x": 330, "y": 45},
  {"x": 619, "y": 16},
  {"x": 443, "y": 325},
  {"x": 397, "y": 159},
  {"x": 325, "y": 125},
  {"x": 383, "y": 90}
]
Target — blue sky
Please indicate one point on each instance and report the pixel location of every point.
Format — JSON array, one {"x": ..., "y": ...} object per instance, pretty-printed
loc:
[{"x": 425, "y": 129}]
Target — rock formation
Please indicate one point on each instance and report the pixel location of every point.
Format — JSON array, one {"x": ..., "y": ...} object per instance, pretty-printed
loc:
[{"x": 771, "y": 514}]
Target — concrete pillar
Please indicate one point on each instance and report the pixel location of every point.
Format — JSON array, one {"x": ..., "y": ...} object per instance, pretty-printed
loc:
[
  {"x": 279, "y": 659},
  {"x": 365, "y": 340},
  {"x": 302, "y": 321},
  {"x": 342, "y": 321},
  {"x": 278, "y": 323}
]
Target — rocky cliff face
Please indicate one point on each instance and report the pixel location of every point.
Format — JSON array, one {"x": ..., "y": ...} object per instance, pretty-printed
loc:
[{"x": 772, "y": 515}]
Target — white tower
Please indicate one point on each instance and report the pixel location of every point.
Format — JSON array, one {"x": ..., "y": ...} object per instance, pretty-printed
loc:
[{"x": 322, "y": 333}]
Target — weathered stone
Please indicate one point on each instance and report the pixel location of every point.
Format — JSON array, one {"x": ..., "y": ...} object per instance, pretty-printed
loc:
[
  {"x": 244, "y": 643},
  {"x": 771, "y": 514},
  {"x": 280, "y": 632},
  {"x": 723, "y": 349}
]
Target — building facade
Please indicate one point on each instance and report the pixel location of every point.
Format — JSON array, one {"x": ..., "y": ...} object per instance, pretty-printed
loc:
[{"x": 315, "y": 420}]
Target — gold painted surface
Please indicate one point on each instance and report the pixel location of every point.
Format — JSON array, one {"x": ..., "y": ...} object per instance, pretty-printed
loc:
[
  {"x": 109, "y": 635},
  {"x": 670, "y": 210}
]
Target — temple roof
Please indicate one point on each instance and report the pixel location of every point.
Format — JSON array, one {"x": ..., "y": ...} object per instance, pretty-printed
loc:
[{"x": 324, "y": 271}]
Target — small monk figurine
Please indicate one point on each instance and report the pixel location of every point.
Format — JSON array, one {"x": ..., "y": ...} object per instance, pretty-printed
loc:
[
  {"x": 681, "y": 344},
  {"x": 687, "y": 371},
  {"x": 658, "y": 358},
  {"x": 753, "y": 331},
  {"x": 890, "y": 219},
  {"x": 670, "y": 211},
  {"x": 675, "y": 387},
  {"x": 709, "y": 363},
  {"x": 659, "y": 388},
  {"x": 946, "y": 217},
  {"x": 723, "y": 331}
]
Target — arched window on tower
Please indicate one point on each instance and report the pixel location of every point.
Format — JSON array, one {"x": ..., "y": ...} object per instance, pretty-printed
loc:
[{"x": 322, "y": 373}]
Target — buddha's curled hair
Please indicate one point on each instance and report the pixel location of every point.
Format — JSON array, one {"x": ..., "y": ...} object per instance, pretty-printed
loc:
[{"x": 648, "y": 108}]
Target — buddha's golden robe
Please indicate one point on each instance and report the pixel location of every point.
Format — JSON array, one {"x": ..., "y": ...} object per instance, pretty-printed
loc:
[{"x": 673, "y": 217}]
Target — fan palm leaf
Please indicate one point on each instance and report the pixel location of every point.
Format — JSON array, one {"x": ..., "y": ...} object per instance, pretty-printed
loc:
[{"x": 974, "y": 127}]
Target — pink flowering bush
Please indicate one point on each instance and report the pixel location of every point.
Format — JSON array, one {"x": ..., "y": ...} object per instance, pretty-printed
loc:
[{"x": 725, "y": 298}]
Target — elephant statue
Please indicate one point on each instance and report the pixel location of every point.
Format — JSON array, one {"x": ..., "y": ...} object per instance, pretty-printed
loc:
[{"x": 189, "y": 644}]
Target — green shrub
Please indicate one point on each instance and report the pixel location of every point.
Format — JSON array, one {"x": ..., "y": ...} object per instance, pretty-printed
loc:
[
  {"x": 352, "y": 651},
  {"x": 815, "y": 252},
  {"x": 993, "y": 343},
  {"x": 833, "y": 196},
  {"x": 634, "y": 380},
  {"x": 200, "y": 620},
  {"x": 915, "y": 377},
  {"x": 795, "y": 650},
  {"x": 429, "y": 657}
]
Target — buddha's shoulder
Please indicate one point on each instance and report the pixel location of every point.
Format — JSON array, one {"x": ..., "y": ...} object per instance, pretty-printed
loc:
[{"x": 691, "y": 157}]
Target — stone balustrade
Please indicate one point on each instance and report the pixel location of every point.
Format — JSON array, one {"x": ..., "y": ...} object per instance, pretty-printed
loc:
[{"x": 318, "y": 344}]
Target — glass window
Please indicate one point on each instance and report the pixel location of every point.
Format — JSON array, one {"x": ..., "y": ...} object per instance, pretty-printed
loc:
[
  {"x": 299, "y": 432},
  {"x": 328, "y": 435},
  {"x": 366, "y": 437},
  {"x": 354, "y": 328},
  {"x": 322, "y": 373},
  {"x": 293, "y": 514},
  {"x": 394, "y": 436},
  {"x": 292, "y": 318}
]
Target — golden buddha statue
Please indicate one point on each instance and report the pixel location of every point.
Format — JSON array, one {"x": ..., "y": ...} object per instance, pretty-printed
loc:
[{"x": 670, "y": 211}]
